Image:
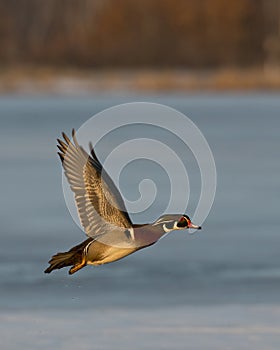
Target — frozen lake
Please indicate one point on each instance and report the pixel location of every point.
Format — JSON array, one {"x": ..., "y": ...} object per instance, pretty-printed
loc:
[{"x": 219, "y": 289}]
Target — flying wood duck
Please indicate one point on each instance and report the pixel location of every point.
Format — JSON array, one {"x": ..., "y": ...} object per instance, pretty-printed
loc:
[{"x": 112, "y": 235}]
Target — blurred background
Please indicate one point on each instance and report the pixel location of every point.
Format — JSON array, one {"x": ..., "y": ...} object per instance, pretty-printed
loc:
[
  {"x": 215, "y": 61},
  {"x": 194, "y": 44}
]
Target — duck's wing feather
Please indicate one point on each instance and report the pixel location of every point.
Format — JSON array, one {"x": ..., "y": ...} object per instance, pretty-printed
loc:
[{"x": 99, "y": 203}]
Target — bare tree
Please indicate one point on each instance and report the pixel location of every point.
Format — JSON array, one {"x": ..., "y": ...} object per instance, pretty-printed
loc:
[
  {"x": 272, "y": 34},
  {"x": 125, "y": 33}
]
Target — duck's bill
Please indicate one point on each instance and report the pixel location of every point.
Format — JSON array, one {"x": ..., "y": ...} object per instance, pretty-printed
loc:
[{"x": 194, "y": 227}]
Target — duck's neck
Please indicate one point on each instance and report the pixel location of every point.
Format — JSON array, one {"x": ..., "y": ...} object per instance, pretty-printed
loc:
[{"x": 148, "y": 234}]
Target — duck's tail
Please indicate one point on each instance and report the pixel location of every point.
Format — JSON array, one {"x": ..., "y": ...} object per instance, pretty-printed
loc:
[{"x": 75, "y": 257}]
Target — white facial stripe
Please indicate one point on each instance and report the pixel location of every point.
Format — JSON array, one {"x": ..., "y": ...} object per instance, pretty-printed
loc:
[
  {"x": 162, "y": 222},
  {"x": 166, "y": 230}
]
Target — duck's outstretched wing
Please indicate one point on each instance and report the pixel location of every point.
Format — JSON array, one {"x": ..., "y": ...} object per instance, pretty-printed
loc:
[{"x": 99, "y": 203}]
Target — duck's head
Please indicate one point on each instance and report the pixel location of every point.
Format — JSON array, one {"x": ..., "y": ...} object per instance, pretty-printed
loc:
[{"x": 176, "y": 222}]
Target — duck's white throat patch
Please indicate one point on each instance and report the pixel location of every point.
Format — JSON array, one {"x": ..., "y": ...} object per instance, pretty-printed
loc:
[{"x": 166, "y": 229}]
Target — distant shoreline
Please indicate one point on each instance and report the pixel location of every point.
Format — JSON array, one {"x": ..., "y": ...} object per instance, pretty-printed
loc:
[{"x": 38, "y": 80}]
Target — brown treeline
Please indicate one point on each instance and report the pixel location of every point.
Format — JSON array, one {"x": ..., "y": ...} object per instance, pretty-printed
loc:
[{"x": 132, "y": 33}]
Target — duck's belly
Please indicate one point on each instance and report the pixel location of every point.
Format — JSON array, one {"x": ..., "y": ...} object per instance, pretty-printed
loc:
[{"x": 99, "y": 253}]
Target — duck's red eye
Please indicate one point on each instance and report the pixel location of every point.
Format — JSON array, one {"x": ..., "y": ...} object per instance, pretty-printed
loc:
[{"x": 182, "y": 222}]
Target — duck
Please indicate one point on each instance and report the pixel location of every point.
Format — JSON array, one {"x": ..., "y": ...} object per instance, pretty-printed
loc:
[{"x": 102, "y": 213}]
